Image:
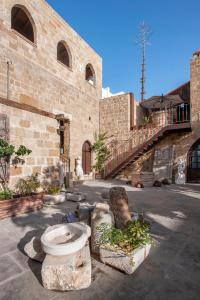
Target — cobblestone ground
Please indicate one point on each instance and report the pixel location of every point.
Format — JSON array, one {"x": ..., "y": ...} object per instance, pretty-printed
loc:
[{"x": 172, "y": 270}]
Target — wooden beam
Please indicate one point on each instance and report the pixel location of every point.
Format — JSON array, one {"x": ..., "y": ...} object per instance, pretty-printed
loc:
[{"x": 27, "y": 107}]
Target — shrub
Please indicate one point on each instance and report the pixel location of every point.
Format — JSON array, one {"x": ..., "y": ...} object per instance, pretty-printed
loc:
[
  {"x": 6, "y": 195},
  {"x": 53, "y": 190},
  {"x": 8, "y": 153},
  {"x": 28, "y": 185},
  {"x": 134, "y": 235},
  {"x": 101, "y": 150}
]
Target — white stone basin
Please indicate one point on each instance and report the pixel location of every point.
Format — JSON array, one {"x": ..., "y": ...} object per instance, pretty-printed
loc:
[{"x": 65, "y": 239}]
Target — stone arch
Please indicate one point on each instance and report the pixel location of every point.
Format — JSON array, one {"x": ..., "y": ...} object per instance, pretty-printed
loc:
[
  {"x": 64, "y": 54},
  {"x": 90, "y": 74},
  {"x": 193, "y": 163},
  {"x": 23, "y": 23},
  {"x": 87, "y": 157}
]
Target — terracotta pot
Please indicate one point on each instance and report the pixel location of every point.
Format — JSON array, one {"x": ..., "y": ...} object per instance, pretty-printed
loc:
[{"x": 20, "y": 205}]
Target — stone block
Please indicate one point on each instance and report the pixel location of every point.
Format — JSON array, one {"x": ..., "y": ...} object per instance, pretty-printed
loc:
[
  {"x": 54, "y": 199},
  {"x": 76, "y": 197},
  {"x": 33, "y": 249},
  {"x": 120, "y": 260},
  {"x": 66, "y": 273}
]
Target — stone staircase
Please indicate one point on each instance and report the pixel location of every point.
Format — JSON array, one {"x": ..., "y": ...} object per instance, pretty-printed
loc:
[{"x": 140, "y": 141}]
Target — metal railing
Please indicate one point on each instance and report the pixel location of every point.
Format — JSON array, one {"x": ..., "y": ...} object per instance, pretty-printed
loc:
[{"x": 143, "y": 134}]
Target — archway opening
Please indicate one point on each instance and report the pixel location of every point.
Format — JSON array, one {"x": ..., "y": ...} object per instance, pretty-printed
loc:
[
  {"x": 193, "y": 166},
  {"x": 87, "y": 158},
  {"x": 90, "y": 75},
  {"x": 21, "y": 22},
  {"x": 63, "y": 54}
]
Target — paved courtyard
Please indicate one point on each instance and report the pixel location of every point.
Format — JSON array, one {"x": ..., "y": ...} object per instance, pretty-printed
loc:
[{"x": 172, "y": 271}]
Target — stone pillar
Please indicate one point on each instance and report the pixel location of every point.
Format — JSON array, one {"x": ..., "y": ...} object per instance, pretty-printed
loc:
[
  {"x": 195, "y": 87},
  {"x": 119, "y": 206}
]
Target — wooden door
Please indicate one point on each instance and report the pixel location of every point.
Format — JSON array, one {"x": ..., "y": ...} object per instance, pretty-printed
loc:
[
  {"x": 86, "y": 158},
  {"x": 193, "y": 172}
]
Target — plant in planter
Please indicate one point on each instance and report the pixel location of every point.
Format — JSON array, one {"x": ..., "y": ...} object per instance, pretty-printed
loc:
[
  {"x": 101, "y": 150},
  {"x": 9, "y": 155},
  {"x": 146, "y": 120},
  {"x": 54, "y": 195},
  {"x": 125, "y": 248},
  {"x": 27, "y": 186}
]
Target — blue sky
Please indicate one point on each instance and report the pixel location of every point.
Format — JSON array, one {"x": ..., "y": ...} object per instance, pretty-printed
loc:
[{"x": 111, "y": 28}]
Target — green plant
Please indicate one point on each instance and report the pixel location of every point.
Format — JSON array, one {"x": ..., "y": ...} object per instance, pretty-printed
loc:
[
  {"x": 134, "y": 235},
  {"x": 101, "y": 150},
  {"x": 146, "y": 120},
  {"x": 6, "y": 194},
  {"x": 9, "y": 154},
  {"x": 53, "y": 190},
  {"x": 27, "y": 186}
]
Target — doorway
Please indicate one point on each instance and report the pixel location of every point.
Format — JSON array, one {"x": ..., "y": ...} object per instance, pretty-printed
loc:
[
  {"x": 86, "y": 157},
  {"x": 193, "y": 172}
]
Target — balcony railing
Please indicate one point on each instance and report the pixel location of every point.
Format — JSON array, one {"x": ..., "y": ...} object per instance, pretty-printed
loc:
[{"x": 143, "y": 134}]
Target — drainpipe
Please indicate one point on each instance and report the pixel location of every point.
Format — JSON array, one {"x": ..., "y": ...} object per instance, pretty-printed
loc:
[{"x": 8, "y": 63}]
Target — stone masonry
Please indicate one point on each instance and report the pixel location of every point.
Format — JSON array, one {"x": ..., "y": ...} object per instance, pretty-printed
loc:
[{"x": 37, "y": 79}]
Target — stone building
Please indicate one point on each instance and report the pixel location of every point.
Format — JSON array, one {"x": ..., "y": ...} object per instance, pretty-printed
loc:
[
  {"x": 50, "y": 101},
  {"x": 50, "y": 86},
  {"x": 157, "y": 137}
]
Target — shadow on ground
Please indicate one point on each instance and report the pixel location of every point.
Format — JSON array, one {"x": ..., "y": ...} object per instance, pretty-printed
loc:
[{"x": 172, "y": 270}]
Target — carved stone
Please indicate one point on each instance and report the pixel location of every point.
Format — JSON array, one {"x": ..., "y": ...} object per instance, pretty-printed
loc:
[
  {"x": 66, "y": 273},
  {"x": 119, "y": 206},
  {"x": 34, "y": 250}
]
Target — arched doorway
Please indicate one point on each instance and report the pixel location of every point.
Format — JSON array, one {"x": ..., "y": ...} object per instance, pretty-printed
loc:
[
  {"x": 193, "y": 170},
  {"x": 86, "y": 158}
]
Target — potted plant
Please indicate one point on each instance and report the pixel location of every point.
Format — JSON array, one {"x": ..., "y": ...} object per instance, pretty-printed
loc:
[
  {"x": 126, "y": 248},
  {"x": 53, "y": 195},
  {"x": 102, "y": 153},
  {"x": 24, "y": 199}
]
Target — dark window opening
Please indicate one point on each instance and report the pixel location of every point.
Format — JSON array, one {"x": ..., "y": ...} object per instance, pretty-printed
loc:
[
  {"x": 62, "y": 137},
  {"x": 90, "y": 75},
  {"x": 63, "y": 54},
  {"x": 21, "y": 23}
]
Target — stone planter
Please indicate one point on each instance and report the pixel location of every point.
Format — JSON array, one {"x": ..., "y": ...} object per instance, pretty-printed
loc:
[
  {"x": 54, "y": 199},
  {"x": 122, "y": 261},
  {"x": 20, "y": 205},
  {"x": 99, "y": 175}
]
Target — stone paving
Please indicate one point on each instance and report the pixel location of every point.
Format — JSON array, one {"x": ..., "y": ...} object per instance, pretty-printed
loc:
[{"x": 172, "y": 271}]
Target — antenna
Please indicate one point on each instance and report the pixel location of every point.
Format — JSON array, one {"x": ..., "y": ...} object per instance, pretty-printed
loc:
[{"x": 143, "y": 41}]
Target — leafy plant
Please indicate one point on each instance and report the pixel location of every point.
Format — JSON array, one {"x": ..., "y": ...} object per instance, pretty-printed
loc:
[
  {"x": 7, "y": 194},
  {"x": 53, "y": 190},
  {"x": 28, "y": 185},
  {"x": 8, "y": 153},
  {"x": 101, "y": 150},
  {"x": 146, "y": 120},
  {"x": 134, "y": 235}
]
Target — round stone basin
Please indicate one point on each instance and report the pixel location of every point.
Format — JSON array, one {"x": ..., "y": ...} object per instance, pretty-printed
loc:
[{"x": 65, "y": 239}]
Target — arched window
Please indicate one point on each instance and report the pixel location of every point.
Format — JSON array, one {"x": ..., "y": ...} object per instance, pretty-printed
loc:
[
  {"x": 90, "y": 74},
  {"x": 63, "y": 54},
  {"x": 22, "y": 22}
]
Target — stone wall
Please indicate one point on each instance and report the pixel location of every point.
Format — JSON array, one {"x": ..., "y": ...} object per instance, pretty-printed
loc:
[
  {"x": 118, "y": 115},
  {"x": 36, "y": 78},
  {"x": 183, "y": 141},
  {"x": 195, "y": 87}
]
